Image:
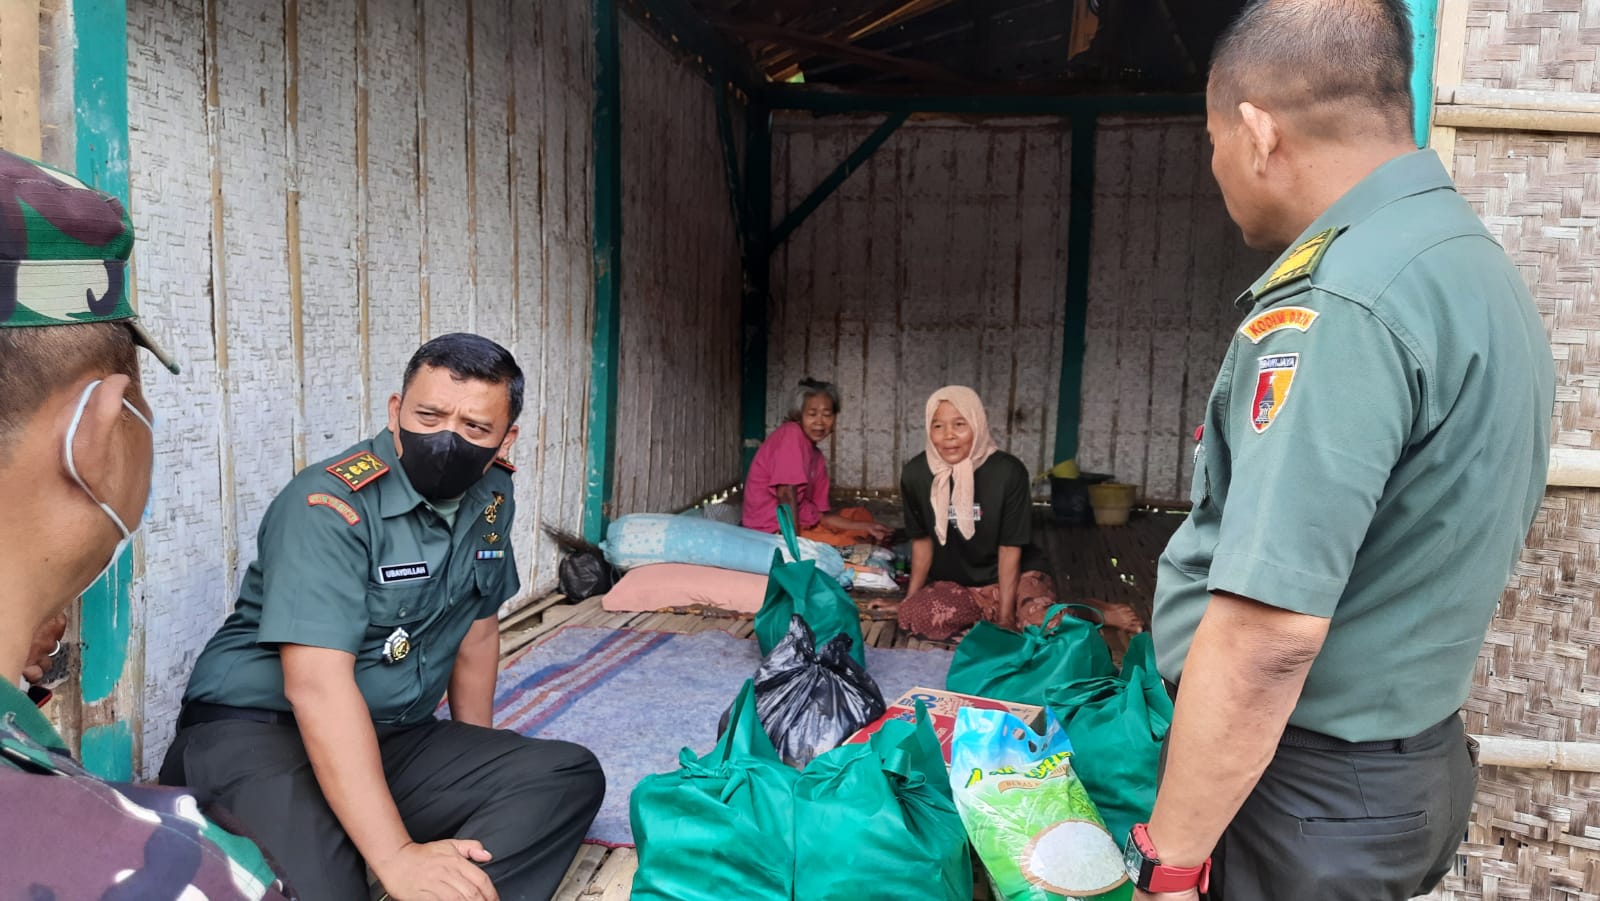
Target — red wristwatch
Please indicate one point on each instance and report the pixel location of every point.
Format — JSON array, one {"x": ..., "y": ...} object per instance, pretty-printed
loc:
[{"x": 1148, "y": 873}]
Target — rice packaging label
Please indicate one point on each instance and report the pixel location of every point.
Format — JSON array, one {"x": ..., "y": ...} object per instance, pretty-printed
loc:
[{"x": 1028, "y": 815}]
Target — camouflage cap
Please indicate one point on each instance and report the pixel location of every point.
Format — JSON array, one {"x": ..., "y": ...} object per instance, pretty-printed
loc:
[{"x": 63, "y": 252}]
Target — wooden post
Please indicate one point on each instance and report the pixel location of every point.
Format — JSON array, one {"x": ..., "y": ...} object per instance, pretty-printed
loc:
[
  {"x": 757, "y": 280},
  {"x": 1450, "y": 65},
  {"x": 607, "y": 125},
  {"x": 1080, "y": 233},
  {"x": 20, "y": 130},
  {"x": 111, "y": 695}
]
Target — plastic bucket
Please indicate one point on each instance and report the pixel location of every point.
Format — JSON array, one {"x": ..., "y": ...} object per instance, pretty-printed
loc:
[
  {"x": 1111, "y": 502},
  {"x": 1069, "y": 499}
]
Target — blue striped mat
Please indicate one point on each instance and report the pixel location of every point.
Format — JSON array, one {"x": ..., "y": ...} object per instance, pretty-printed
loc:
[{"x": 635, "y": 698}]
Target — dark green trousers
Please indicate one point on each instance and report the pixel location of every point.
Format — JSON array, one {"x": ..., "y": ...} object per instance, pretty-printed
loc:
[
  {"x": 1350, "y": 824},
  {"x": 529, "y": 802}
]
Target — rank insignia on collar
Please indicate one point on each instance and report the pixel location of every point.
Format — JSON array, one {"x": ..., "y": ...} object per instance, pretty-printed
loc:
[
  {"x": 1273, "y": 380},
  {"x": 493, "y": 510},
  {"x": 1276, "y": 319},
  {"x": 491, "y": 538},
  {"x": 503, "y": 463},
  {"x": 359, "y": 469},
  {"x": 1302, "y": 261},
  {"x": 397, "y": 646}
]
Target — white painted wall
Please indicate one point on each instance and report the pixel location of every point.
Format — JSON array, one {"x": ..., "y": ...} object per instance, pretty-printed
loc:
[
  {"x": 357, "y": 187},
  {"x": 678, "y": 382}
]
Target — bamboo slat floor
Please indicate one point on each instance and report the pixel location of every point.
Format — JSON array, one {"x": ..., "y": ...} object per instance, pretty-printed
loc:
[{"x": 1114, "y": 564}]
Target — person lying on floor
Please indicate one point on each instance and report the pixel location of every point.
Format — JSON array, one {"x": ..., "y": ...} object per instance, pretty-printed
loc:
[
  {"x": 969, "y": 515},
  {"x": 789, "y": 469},
  {"x": 375, "y": 590}
]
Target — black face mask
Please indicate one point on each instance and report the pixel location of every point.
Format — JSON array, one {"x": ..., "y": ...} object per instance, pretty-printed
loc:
[{"x": 442, "y": 465}]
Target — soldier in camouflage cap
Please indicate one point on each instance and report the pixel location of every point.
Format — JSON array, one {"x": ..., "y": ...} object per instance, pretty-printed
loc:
[{"x": 76, "y": 451}]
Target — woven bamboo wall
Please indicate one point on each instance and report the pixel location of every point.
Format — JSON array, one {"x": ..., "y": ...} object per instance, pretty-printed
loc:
[
  {"x": 941, "y": 261},
  {"x": 1536, "y": 834},
  {"x": 318, "y": 187},
  {"x": 678, "y": 377},
  {"x": 944, "y": 260}
]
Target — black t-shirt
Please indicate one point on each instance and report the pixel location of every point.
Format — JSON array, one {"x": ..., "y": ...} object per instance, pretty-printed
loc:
[{"x": 1003, "y": 517}]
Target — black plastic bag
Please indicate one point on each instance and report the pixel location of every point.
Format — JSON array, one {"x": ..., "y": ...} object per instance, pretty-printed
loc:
[
  {"x": 585, "y": 574},
  {"x": 811, "y": 702}
]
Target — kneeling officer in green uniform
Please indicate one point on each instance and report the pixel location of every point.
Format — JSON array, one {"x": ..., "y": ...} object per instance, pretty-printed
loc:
[
  {"x": 76, "y": 452},
  {"x": 379, "y": 572}
]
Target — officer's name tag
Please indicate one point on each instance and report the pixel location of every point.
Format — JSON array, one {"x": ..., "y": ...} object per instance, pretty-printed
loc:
[
  {"x": 403, "y": 572},
  {"x": 977, "y": 513}
]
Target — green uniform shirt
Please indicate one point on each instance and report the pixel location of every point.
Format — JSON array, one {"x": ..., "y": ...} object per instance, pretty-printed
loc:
[
  {"x": 351, "y": 558},
  {"x": 1003, "y": 516},
  {"x": 1374, "y": 451}
]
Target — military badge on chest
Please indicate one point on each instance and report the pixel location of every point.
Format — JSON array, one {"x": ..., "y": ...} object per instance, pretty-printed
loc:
[
  {"x": 492, "y": 512},
  {"x": 397, "y": 646}
]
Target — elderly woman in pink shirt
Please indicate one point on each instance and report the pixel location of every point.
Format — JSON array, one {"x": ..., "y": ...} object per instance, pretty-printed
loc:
[{"x": 790, "y": 470}]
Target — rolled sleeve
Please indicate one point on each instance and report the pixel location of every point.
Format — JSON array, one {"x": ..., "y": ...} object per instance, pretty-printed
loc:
[
  {"x": 1305, "y": 483},
  {"x": 314, "y": 569}
]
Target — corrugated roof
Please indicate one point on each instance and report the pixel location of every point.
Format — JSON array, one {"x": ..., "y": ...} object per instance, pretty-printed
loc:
[{"x": 989, "y": 46}]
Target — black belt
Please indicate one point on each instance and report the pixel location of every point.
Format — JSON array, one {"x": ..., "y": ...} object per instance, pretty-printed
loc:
[
  {"x": 1296, "y": 737},
  {"x": 197, "y": 712}
]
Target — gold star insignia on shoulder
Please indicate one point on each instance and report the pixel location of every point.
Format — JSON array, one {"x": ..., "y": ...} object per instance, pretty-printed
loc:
[
  {"x": 1302, "y": 261},
  {"x": 359, "y": 469}
]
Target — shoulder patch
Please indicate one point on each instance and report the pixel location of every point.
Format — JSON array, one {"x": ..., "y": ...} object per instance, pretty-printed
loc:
[
  {"x": 1276, "y": 320},
  {"x": 1302, "y": 261},
  {"x": 505, "y": 464},
  {"x": 337, "y": 505},
  {"x": 1275, "y": 375},
  {"x": 359, "y": 469}
]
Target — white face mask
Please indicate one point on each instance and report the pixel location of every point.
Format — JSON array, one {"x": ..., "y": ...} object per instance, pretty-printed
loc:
[{"x": 72, "y": 470}]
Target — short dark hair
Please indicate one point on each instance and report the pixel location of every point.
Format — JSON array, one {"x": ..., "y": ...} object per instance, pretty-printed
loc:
[
  {"x": 1318, "y": 62},
  {"x": 469, "y": 356},
  {"x": 36, "y": 361}
]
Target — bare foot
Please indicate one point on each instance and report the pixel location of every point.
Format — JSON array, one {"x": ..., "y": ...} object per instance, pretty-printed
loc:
[
  {"x": 1121, "y": 616},
  {"x": 883, "y": 605}
]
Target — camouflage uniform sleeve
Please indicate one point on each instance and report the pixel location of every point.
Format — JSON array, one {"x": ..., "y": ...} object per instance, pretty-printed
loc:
[{"x": 147, "y": 843}]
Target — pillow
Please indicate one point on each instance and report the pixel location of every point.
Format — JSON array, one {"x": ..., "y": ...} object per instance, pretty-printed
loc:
[
  {"x": 647, "y": 588},
  {"x": 642, "y": 539}
]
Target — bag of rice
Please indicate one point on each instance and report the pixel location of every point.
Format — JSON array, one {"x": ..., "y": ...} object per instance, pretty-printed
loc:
[{"x": 1028, "y": 816}]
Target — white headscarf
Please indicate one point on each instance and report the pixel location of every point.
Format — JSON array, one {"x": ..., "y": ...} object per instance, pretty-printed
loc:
[{"x": 953, "y": 482}]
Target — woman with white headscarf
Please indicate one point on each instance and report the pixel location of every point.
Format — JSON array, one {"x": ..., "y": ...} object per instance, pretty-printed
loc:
[{"x": 969, "y": 514}]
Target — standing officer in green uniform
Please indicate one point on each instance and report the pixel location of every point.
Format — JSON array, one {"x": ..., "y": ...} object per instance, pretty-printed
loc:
[
  {"x": 378, "y": 576},
  {"x": 76, "y": 452},
  {"x": 1374, "y": 451}
]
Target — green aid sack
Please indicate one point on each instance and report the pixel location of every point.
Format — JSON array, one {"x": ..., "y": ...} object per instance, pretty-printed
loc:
[
  {"x": 1029, "y": 818},
  {"x": 800, "y": 588},
  {"x": 1116, "y": 725},
  {"x": 876, "y": 822},
  {"x": 722, "y": 825},
  {"x": 992, "y": 662}
]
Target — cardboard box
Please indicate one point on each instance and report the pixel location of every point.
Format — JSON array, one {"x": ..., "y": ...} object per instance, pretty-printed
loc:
[{"x": 942, "y": 707}]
